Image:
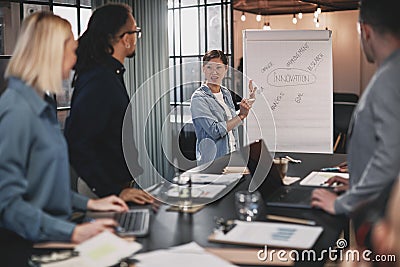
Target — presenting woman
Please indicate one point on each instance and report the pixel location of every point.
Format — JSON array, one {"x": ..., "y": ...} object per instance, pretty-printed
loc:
[
  {"x": 213, "y": 112},
  {"x": 35, "y": 196}
]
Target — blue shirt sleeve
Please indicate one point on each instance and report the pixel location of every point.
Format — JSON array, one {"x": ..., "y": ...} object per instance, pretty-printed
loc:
[
  {"x": 79, "y": 201},
  {"x": 17, "y": 213}
]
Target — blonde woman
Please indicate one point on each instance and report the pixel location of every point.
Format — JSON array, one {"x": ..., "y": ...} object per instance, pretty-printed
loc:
[{"x": 35, "y": 197}]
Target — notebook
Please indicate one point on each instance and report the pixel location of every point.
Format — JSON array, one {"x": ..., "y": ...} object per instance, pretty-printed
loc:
[
  {"x": 134, "y": 222},
  {"x": 266, "y": 177},
  {"x": 319, "y": 178}
]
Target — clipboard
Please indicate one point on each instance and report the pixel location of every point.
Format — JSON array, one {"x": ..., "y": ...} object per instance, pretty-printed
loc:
[{"x": 275, "y": 235}]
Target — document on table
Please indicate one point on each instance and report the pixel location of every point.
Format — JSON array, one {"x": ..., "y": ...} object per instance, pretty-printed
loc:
[
  {"x": 236, "y": 169},
  {"x": 273, "y": 234},
  {"x": 199, "y": 191},
  {"x": 202, "y": 178},
  {"x": 290, "y": 180},
  {"x": 319, "y": 178},
  {"x": 105, "y": 249},
  {"x": 190, "y": 254}
]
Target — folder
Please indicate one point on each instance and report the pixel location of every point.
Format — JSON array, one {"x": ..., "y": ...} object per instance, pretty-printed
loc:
[
  {"x": 274, "y": 234},
  {"x": 246, "y": 256}
]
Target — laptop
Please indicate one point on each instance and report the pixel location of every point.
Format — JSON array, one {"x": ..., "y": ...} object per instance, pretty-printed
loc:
[
  {"x": 134, "y": 222},
  {"x": 267, "y": 180}
]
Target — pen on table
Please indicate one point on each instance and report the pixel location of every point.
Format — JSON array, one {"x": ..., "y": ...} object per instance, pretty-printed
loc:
[
  {"x": 331, "y": 169},
  {"x": 289, "y": 219}
]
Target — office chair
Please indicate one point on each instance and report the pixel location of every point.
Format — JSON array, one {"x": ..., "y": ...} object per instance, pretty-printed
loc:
[
  {"x": 342, "y": 113},
  {"x": 343, "y": 107},
  {"x": 187, "y": 145},
  {"x": 345, "y": 97}
]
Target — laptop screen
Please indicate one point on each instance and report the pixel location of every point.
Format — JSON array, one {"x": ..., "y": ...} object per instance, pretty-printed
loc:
[{"x": 265, "y": 175}]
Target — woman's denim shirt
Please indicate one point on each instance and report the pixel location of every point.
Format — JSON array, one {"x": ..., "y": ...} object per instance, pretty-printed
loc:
[{"x": 209, "y": 120}]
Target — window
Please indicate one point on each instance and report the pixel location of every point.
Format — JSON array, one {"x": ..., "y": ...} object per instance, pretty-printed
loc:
[
  {"x": 77, "y": 12},
  {"x": 12, "y": 12},
  {"x": 194, "y": 27}
]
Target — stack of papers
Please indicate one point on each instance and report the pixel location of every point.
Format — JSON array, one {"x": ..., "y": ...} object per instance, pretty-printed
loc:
[
  {"x": 236, "y": 169},
  {"x": 198, "y": 191},
  {"x": 105, "y": 249},
  {"x": 273, "y": 234},
  {"x": 190, "y": 254},
  {"x": 319, "y": 178},
  {"x": 200, "y": 178},
  {"x": 290, "y": 180}
]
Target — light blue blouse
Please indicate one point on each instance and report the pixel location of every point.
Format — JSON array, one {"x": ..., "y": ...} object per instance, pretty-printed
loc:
[
  {"x": 35, "y": 196},
  {"x": 209, "y": 120}
]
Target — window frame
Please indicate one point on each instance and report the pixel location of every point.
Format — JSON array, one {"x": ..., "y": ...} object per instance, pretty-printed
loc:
[{"x": 175, "y": 58}]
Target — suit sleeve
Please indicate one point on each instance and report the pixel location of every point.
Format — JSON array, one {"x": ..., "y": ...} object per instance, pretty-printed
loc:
[{"x": 383, "y": 167}]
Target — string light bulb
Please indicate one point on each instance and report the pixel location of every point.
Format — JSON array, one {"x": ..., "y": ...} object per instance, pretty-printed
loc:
[
  {"x": 267, "y": 26},
  {"x": 294, "y": 20},
  {"x": 319, "y": 10},
  {"x": 243, "y": 17},
  {"x": 300, "y": 15},
  {"x": 317, "y": 23},
  {"x": 258, "y": 17}
]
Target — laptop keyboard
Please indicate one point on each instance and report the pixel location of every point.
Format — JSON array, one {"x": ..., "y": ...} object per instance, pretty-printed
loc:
[{"x": 133, "y": 222}]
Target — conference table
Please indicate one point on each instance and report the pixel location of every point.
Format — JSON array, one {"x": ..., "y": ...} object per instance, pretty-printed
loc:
[{"x": 169, "y": 228}]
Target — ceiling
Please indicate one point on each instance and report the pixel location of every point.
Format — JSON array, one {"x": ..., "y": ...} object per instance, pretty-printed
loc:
[{"x": 279, "y": 7}]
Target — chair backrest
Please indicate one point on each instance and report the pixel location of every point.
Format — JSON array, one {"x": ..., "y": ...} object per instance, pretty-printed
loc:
[
  {"x": 342, "y": 113},
  {"x": 187, "y": 145},
  {"x": 345, "y": 97}
]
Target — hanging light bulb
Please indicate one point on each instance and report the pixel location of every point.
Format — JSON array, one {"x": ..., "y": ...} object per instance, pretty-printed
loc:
[
  {"x": 258, "y": 17},
  {"x": 317, "y": 23},
  {"x": 300, "y": 15},
  {"x": 319, "y": 10},
  {"x": 315, "y": 14},
  {"x": 266, "y": 27},
  {"x": 315, "y": 20},
  {"x": 243, "y": 17},
  {"x": 294, "y": 20}
]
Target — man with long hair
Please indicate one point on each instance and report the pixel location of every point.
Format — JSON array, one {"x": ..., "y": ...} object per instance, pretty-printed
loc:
[{"x": 99, "y": 104}]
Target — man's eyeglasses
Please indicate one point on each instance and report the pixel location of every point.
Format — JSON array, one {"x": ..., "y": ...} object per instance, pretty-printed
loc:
[{"x": 138, "y": 31}]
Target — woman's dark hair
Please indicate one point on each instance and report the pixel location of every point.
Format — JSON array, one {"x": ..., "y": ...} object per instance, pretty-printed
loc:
[
  {"x": 215, "y": 54},
  {"x": 96, "y": 43}
]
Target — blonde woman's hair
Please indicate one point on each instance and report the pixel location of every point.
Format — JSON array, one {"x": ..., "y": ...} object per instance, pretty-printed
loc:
[{"x": 39, "y": 52}]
